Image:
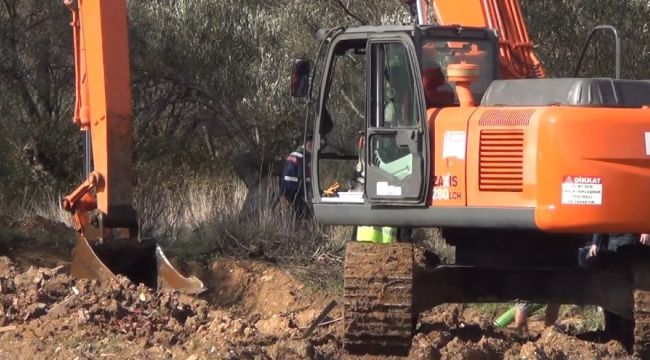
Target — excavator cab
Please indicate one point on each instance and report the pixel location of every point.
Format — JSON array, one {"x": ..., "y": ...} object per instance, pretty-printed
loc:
[
  {"x": 440, "y": 47},
  {"x": 370, "y": 87},
  {"x": 382, "y": 83}
]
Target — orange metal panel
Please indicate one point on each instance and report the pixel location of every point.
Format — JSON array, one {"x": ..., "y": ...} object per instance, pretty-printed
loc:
[
  {"x": 449, "y": 136},
  {"x": 607, "y": 150},
  {"x": 516, "y": 51},
  {"x": 582, "y": 169},
  {"x": 104, "y": 50},
  {"x": 501, "y": 150},
  {"x": 460, "y": 12}
]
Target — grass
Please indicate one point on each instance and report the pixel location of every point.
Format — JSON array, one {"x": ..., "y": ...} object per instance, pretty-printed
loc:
[
  {"x": 232, "y": 222},
  {"x": 492, "y": 310},
  {"x": 50, "y": 209},
  {"x": 431, "y": 239},
  {"x": 200, "y": 219}
]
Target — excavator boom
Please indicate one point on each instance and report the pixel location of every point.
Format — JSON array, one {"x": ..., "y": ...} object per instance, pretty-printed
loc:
[
  {"x": 504, "y": 16},
  {"x": 102, "y": 56},
  {"x": 109, "y": 241}
]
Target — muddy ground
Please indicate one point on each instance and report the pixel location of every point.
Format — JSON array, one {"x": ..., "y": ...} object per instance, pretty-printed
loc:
[{"x": 253, "y": 310}]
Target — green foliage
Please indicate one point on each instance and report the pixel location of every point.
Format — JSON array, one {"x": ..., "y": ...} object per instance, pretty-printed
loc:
[
  {"x": 210, "y": 81},
  {"x": 36, "y": 74},
  {"x": 559, "y": 29},
  {"x": 210, "y": 78}
]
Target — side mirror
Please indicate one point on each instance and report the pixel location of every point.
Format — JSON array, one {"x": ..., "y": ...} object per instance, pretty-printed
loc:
[{"x": 300, "y": 77}]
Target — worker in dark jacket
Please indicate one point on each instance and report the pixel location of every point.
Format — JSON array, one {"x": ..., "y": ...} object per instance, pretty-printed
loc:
[
  {"x": 609, "y": 244},
  {"x": 296, "y": 176},
  {"x": 602, "y": 248},
  {"x": 601, "y": 245}
]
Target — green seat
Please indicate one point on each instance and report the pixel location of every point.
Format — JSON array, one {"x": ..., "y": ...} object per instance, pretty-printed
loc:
[{"x": 400, "y": 168}]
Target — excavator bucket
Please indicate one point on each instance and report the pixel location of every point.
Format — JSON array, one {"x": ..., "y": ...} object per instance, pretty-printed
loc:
[
  {"x": 141, "y": 261},
  {"x": 102, "y": 206}
]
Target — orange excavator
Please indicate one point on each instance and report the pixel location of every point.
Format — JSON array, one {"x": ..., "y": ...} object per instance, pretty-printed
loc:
[
  {"x": 463, "y": 132},
  {"x": 109, "y": 241}
]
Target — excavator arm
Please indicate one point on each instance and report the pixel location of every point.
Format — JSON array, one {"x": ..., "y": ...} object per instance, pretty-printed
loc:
[
  {"x": 102, "y": 206},
  {"x": 518, "y": 59},
  {"x": 103, "y": 106}
]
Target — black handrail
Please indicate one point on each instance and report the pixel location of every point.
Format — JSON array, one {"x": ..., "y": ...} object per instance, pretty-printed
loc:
[{"x": 617, "y": 40}]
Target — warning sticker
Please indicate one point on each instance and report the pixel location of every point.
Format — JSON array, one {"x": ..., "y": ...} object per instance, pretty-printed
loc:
[
  {"x": 454, "y": 145},
  {"x": 384, "y": 189},
  {"x": 582, "y": 190}
]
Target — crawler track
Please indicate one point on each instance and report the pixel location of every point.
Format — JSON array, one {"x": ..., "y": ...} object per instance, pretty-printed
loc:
[
  {"x": 642, "y": 310},
  {"x": 378, "y": 298}
]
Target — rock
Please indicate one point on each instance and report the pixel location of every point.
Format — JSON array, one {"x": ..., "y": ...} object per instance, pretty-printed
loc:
[
  {"x": 83, "y": 316},
  {"x": 440, "y": 338},
  {"x": 115, "y": 309},
  {"x": 248, "y": 332},
  {"x": 461, "y": 350},
  {"x": 423, "y": 348},
  {"x": 274, "y": 325},
  {"x": 38, "y": 278},
  {"x": 7, "y": 328},
  {"x": 496, "y": 348},
  {"x": 293, "y": 349},
  {"x": 237, "y": 326},
  {"x": 6, "y": 266},
  {"x": 163, "y": 338},
  {"x": 35, "y": 311},
  {"x": 530, "y": 351}
]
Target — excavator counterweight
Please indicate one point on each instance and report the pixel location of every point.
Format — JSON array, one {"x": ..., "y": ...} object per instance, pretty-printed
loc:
[{"x": 109, "y": 241}]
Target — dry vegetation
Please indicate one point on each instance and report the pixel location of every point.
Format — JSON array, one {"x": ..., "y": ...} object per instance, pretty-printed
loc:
[{"x": 198, "y": 107}]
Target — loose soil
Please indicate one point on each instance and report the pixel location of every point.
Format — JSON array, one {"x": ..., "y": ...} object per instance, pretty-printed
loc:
[{"x": 253, "y": 310}]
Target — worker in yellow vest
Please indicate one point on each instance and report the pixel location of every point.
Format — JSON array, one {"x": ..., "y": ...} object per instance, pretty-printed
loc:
[{"x": 375, "y": 234}]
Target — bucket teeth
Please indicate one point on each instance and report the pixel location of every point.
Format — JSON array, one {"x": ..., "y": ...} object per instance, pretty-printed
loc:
[
  {"x": 170, "y": 278},
  {"x": 86, "y": 264},
  {"x": 141, "y": 262}
]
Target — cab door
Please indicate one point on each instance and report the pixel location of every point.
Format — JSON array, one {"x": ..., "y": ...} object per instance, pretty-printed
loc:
[{"x": 397, "y": 139}]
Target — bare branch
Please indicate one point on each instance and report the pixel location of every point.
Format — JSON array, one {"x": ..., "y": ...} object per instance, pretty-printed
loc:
[
  {"x": 353, "y": 107},
  {"x": 9, "y": 8},
  {"x": 347, "y": 10}
]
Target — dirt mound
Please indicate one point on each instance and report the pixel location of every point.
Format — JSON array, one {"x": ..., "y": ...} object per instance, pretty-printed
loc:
[
  {"x": 44, "y": 312},
  {"x": 253, "y": 310},
  {"x": 460, "y": 332},
  {"x": 251, "y": 286},
  {"x": 39, "y": 225},
  {"x": 36, "y": 241},
  {"x": 49, "y": 301}
]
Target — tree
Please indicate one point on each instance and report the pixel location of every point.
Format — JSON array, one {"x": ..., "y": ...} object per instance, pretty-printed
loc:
[
  {"x": 559, "y": 28},
  {"x": 35, "y": 97}
]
